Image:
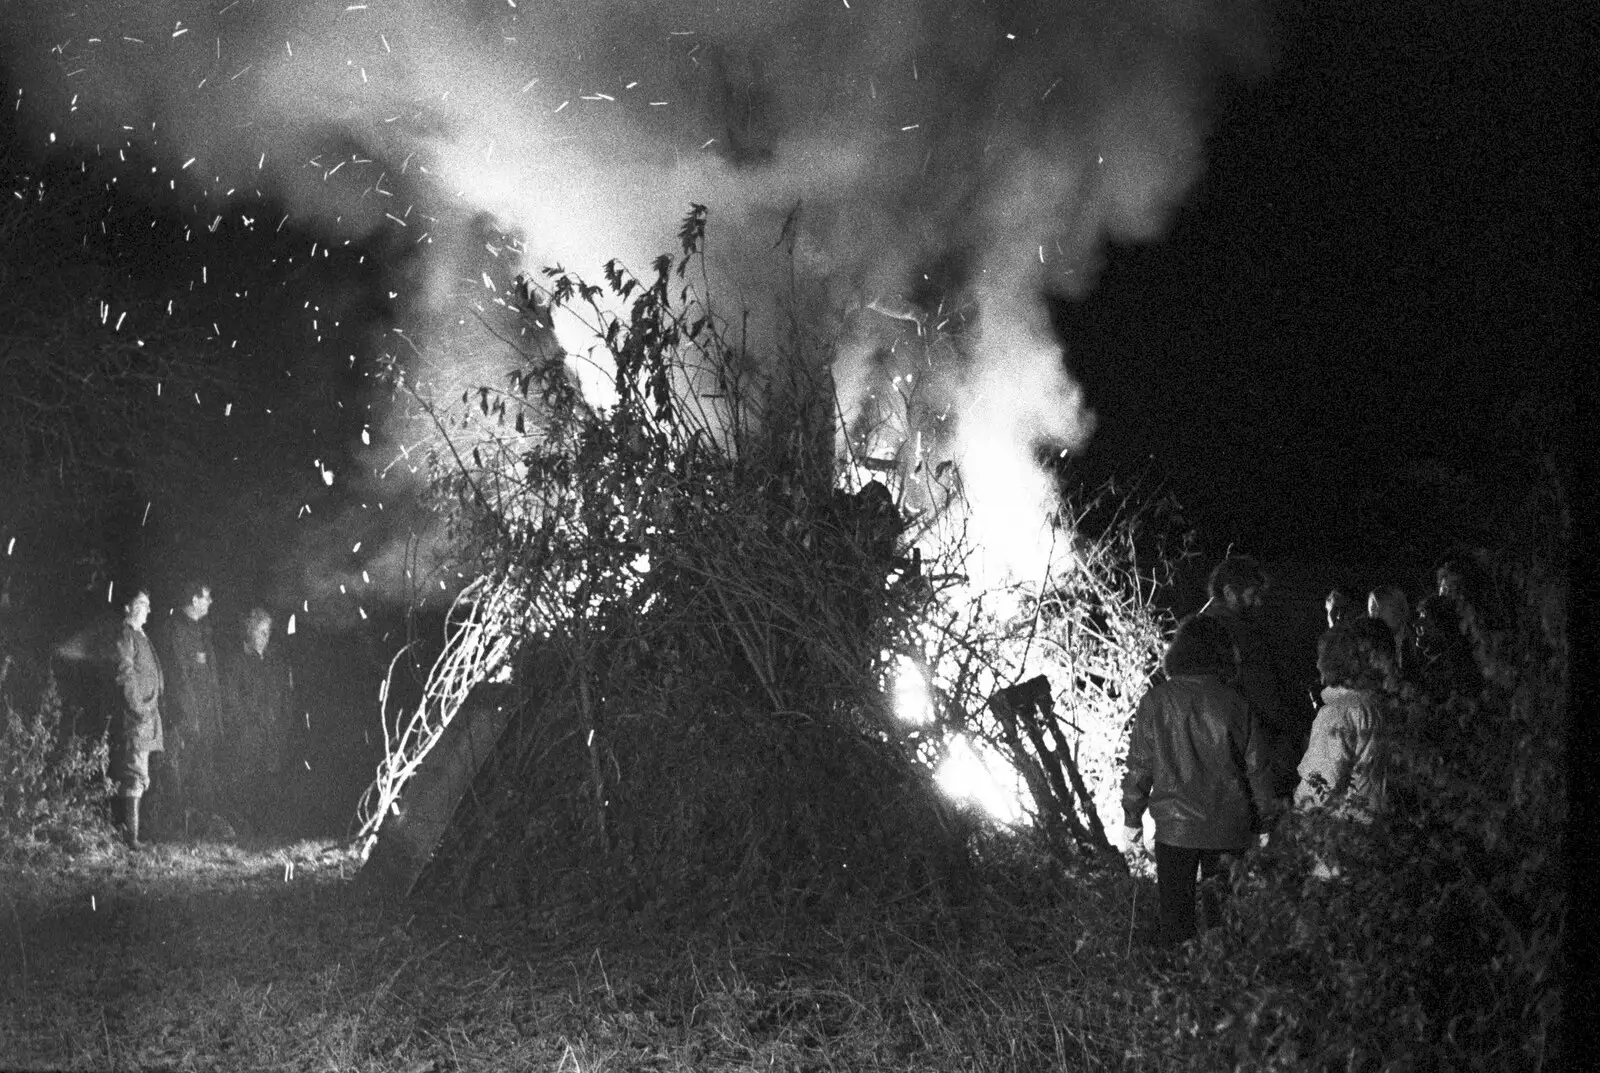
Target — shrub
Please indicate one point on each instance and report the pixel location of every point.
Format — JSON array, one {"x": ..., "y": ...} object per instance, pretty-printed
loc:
[{"x": 52, "y": 783}]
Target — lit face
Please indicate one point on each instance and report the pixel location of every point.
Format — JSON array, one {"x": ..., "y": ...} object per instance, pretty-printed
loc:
[
  {"x": 1393, "y": 612},
  {"x": 257, "y": 634},
  {"x": 1244, "y": 601},
  {"x": 1449, "y": 582},
  {"x": 138, "y": 611},
  {"x": 199, "y": 605}
]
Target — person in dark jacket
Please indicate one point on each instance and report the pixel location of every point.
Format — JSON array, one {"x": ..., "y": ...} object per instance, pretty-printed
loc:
[
  {"x": 256, "y": 690},
  {"x": 1236, "y": 589},
  {"x": 194, "y": 705},
  {"x": 1196, "y": 760},
  {"x": 1444, "y": 663},
  {"x": 136, "y": 726}
]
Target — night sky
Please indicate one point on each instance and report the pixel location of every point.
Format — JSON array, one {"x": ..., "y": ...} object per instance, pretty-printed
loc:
[
  {"x": 1375, "y": 281},
  {"x": 1369, "y": 303}
]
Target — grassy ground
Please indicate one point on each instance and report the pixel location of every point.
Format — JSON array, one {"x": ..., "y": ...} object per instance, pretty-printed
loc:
[{"x": 203, "y": 956}]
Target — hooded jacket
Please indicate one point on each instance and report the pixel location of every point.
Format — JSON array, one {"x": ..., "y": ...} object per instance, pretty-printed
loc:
[
  {"x": 1343, "y": 769},
  {"x": 1196, "y": 760}
]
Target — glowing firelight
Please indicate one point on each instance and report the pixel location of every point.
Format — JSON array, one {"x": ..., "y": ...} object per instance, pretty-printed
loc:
[
  {"x": 911, "y": 702},
  {"x": 972, "y": 771}
]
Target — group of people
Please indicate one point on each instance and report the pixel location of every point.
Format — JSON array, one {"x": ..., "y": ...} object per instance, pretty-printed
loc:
[
  {"x": 1219, "y": 756},
  {"x": 217, "y": 720}
]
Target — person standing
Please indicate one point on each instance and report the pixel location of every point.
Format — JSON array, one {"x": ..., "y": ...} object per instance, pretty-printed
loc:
[
  {"x": 1389, "y": 605},
  {"x": 195, "y": 704},
  {"x": 1236, "y": 589},
  {"x": 1342, "y": 775},
  {"x": 257, "y": 689},
  {"x": 136, "y": 726},
  {"x": 1196, "y": 762}
]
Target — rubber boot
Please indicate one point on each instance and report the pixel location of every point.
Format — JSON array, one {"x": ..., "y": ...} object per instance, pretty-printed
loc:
[{"x": 130, "y": 823}]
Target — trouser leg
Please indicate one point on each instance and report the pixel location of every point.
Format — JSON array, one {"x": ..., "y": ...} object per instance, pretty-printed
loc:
[
  {"x": 130, "y": 821},
  {"x": 1175, "y": 881},
  {"x": 1212, "y": 877}
]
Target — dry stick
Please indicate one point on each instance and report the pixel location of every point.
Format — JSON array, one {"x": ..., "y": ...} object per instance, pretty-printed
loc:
[
  {"x": 1132, "y": 908},
  {"x": 1063, "y": 756},
  {"x": 596, "y": 775},
  {"x": 762, "y": 672}
]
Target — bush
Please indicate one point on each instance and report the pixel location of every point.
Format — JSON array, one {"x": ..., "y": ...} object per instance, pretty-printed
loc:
[{"x": 52, "y": 783}]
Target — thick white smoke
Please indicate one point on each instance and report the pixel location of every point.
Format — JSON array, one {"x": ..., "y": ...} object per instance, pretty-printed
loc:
[{"x": 1002, "y": 142}]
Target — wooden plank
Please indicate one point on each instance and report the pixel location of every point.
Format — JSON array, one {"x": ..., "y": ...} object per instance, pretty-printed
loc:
[{"x": 412, "y": 830}]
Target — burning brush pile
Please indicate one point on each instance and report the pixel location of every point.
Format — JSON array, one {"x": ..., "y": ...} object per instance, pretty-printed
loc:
[{"x": 705, "y": 627}]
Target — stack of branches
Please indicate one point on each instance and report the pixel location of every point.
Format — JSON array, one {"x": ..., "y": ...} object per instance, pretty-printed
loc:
[
  {"x": 480, "y": 636},
  {"x": 1051, "y": 681},
  {"x": 1047, "y": 671},
  {"x": 712, "y": 623}
]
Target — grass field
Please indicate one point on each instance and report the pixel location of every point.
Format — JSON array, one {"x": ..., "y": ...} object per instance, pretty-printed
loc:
[{"x": 218, "y": 956}]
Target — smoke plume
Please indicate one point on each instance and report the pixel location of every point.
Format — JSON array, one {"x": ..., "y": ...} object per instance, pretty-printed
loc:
[{"x": 991, "y": 148}]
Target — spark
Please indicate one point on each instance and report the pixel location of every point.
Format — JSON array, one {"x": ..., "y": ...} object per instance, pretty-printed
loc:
[{"x": 560, "y": 106}]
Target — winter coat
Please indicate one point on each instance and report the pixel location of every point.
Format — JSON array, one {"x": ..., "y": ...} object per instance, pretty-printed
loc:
[
  {"x": 256, "y": 698},
  {"x": 1196, "y": 760},
  {"x": 1282, "y": 731},
  {"x": 1343, "y": 769},
  {"x": 194, "y": 692},
  {"x": 138, "y": 725}
]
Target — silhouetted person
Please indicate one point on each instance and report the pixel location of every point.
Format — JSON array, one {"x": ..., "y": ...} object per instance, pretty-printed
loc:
[
  {"x": 1444, "y": 664},
  {"x": 1389, "y": 605},
  {"x": 135, "y": 730},
  {"x": 195, "y": 704},
  {"x": 1342, "y": 774},
  {"x": 1340, "y": 606},
  {"x": 1196, "y": 761},
  {"x": 1236, "y": 588},
  {"x": 257, "y": 689}
]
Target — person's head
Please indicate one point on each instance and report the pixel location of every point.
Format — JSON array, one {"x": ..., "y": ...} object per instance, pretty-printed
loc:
[
  {"x": 1354, "y": 656},
  {"x": 1438, "y": 621},
  {"x": 136, "y": 612},
  {"x": 257, "y": 628},
  {"x": 1239, "y": 582},
  {"x": 197, "y": 598},
  {"x": 1202, "y": 645},
  {"x": 1388, "y": 603},
  {"x": 1380, "y": 647},
  {"x": 1459, "y": 577},
  {"x": 1340, "y": 606}
]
